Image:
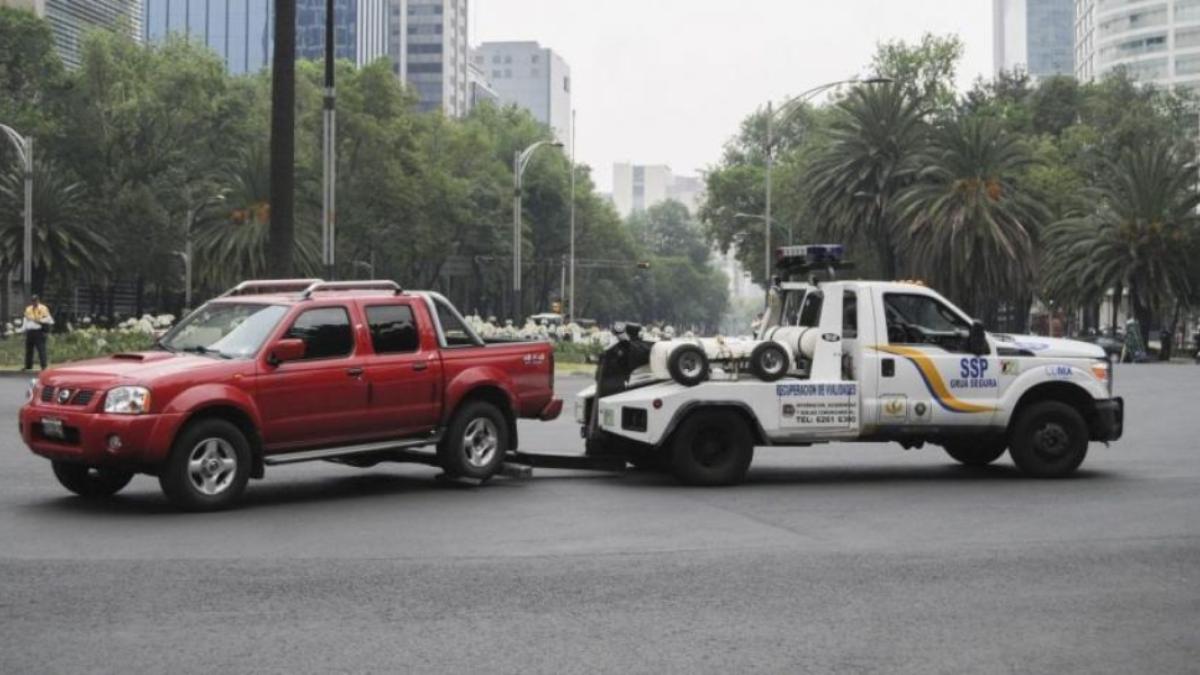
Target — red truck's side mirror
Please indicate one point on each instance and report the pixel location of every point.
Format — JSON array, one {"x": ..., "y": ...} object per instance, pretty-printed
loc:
[{"x": 290, "y": 349}]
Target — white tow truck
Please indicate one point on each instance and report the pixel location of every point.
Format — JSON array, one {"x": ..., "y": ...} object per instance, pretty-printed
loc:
[{"x": 872, "y": 361}]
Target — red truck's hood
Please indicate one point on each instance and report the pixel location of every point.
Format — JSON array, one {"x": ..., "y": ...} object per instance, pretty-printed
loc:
[{"x": 142, "y": 367}]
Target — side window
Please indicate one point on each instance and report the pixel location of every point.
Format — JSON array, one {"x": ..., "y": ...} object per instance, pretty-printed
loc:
[
  {"x": 456, "y": 332},
  {"x": 850, "y": 315},
  {"x": 393, "y": 329},
  {"x": 810, "y": 313},
  {"x": 325, "y": 331},
  {"x": 923, "y": 320}
]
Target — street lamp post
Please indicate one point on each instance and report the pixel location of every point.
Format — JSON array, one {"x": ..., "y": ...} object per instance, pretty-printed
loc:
[
  {"x": 520, "y": 162},
  {"x": 571, "y": 302},
  {"x": 329, "y": 151},
  {"x": 24, "y": 148},
  {"x": 782, "y": 113}
]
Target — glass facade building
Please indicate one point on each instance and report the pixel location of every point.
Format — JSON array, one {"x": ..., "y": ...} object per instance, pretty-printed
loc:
[
  {"x": 70, "y": 20},
  {"x": 241, "y": 31},
  {"x": 1154, "y": 40},
  {"x": 1034, "y": 36}
]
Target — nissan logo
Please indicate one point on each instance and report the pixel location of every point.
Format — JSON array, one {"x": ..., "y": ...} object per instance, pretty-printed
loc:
[{"x": 64, "y": 395}]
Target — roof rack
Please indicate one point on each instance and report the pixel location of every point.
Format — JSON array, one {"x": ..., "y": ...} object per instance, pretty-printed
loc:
[
  {"x": 319, "y": 285},
  {"x": 262, "y": 285}
]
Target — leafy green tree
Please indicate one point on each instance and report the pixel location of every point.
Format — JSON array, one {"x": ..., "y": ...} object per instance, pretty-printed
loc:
[
  {"x": 925, "y": 70},
  {"x": 869, "y": 160},
  {"x": 1141, "y": 234},
  {"x": 66, "y": 248},
  {"x": 969, "y": 223}
]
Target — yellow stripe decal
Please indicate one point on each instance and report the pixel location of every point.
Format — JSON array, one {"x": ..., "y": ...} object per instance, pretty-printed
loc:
[{"x": 933, "y": 379}]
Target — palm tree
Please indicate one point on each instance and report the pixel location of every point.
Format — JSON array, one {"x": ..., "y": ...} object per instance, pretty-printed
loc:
[
  {"x": 235, "y": 244},
  {"x": 1140, "y": 235},
  {"x": 65, "y": 243},
  {"x": 968, "y": 224},
  {"x": 868, "y": 161}
]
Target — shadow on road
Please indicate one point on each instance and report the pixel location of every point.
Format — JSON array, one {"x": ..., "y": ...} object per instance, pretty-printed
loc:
[{"x": 290, "y": 492}]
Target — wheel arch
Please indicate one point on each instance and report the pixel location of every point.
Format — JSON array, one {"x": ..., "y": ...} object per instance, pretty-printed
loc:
[
  {"x": 1063, "y": 392},
  {"x": 237, "y": 417},
  {"x": 494, "y": 395},
  {"x": 742, "y": 409}
]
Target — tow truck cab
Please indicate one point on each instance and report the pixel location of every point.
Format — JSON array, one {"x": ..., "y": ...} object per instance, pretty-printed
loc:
[{"x": 878, "y": 361}]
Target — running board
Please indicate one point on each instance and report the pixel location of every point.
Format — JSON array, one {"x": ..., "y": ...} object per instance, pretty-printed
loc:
[{"x": 349, "y": 450}]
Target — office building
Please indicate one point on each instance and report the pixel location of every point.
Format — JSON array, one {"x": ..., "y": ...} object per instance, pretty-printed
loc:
[
  {"x": 479, "y": 90},
  {"x": 637, "y": 188},
  {"x": 1154, "y": 40},
  {"x": 430, "y": 52},
  {"x": 242, "y": 31},
  {"x": 529, "y": 76},
  {"x": 1034, "y": 36},
  {"x": 70, "y": 20}
]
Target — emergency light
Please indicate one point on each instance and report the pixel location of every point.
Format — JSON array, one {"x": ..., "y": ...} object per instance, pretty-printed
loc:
[{"x": 812, "y": 254}]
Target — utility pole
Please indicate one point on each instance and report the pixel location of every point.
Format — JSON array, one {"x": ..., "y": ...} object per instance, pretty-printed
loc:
[
  {"x": 282, "y": 237},
  {"x": 24, "y": 147},
  {"x": 329, "y": 152},
  {"x": 571, "y": 303},
  {"x": 516, "y": 257}
]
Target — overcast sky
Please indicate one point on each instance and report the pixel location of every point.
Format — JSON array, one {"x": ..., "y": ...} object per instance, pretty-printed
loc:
[{"x": 668, "y": 81}]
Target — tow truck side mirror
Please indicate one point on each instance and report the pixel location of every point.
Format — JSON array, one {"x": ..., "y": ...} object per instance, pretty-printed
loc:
[
  {"x": 977, "y": 342},
  {"x": 290, "y": 349}
]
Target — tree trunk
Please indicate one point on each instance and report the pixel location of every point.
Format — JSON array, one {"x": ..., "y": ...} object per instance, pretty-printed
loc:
[
  {"x": 1118, "y": 292},
  {"x": 282, "y": 238},
  {"x": 139, "y": 301}
]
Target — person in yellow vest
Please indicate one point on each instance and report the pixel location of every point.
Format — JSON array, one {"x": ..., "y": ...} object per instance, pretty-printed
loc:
[{"x": 36, "y": 325}]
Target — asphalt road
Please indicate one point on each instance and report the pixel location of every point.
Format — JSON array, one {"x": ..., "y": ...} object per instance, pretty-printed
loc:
[{"x": 848, "y": 558}]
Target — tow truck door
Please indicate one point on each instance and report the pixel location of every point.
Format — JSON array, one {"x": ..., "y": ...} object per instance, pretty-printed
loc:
[
  {"x": 828, "y": 403},
  {"x": 924, "y": 374}
]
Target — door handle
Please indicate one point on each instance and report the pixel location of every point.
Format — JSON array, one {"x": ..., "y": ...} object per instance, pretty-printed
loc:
[
  {"x": 420, "y": 365},
  {"x": 889, "y": 367},
  {"x": 354, "y": 372}
]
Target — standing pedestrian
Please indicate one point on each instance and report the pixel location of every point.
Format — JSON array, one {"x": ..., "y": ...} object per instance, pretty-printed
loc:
[{"x": 36, "y": 325}]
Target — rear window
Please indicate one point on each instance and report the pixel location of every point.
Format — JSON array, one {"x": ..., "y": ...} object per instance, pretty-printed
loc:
[{"x": 393, "y": 329}]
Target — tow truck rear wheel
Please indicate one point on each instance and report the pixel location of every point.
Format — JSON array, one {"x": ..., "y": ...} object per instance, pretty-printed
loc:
[
  {"x": 475, "y": 443},
  {"x": 1049, "y": 440},
  {"x": 712, "y": 448},
  {"x": 976, "y": 453},
  {"x": 91, "y": 482}
]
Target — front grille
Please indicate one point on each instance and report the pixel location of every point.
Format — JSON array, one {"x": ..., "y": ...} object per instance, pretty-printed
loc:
[{"x": 81, "y": 397}]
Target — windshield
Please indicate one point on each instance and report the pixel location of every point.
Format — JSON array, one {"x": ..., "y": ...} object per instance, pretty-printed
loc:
[{"x": 231, "y": 330}]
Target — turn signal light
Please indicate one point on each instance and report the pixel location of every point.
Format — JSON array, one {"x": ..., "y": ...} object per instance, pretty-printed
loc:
[{"x": 1100, "y": 371}]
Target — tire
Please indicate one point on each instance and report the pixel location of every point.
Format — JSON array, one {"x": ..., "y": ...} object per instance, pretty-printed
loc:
[
  {"x": 1049, "y": 440},
  {"x": 208, "y": 467},
  {"x": 769, "y": 361},
  {"x": 688, "y": 365},
  {"x": 978, "y": 453},
  {"x": 475, "y": 442},
  {"x": 712, "y": 448},
  {"x": 89, "y": 481}
]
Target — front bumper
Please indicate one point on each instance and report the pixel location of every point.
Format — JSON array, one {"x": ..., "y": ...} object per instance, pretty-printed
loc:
[
  {"x": 552, "y": 410},
  {"x": 1110, "y": 419},
  {"x": 145, "y": 439}
]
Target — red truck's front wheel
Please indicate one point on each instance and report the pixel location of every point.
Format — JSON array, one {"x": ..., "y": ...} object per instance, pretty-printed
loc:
[{"x": 208, "y": 466}]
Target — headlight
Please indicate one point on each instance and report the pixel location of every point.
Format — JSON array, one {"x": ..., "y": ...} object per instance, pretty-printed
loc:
[
  {"x": 127, "y": 400},
  {"x": 29, "y": 390}
]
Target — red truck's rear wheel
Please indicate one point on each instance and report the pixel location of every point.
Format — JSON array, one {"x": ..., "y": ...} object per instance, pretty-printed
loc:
[{"x": 475, "y": 443}]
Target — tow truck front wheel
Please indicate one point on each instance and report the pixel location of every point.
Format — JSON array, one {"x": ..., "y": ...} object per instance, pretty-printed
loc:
[
  {"x": 1049, "y": 440},
  {"x": 977, "y": 453},
  {"x": 712, "y": 448}
]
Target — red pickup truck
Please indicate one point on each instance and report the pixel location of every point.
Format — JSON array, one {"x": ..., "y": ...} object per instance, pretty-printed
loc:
[{"x": 284, "y": 371}]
